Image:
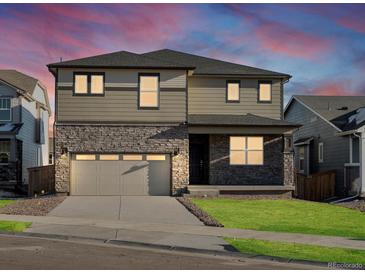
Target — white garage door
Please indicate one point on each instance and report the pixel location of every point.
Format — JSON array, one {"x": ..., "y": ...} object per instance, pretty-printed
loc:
[{"x": 125, "y": 174}]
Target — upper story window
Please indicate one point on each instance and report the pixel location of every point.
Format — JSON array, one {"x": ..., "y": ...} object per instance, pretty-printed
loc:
[
  {"x": 149, "y": 90},
  {"x": 89, "y": 84},
  {"x": 5, "y": 109},
  {"x": 246, "y": 150},
  {"x": 233, "y": 91},
  {"x": 264, "y": 95}
]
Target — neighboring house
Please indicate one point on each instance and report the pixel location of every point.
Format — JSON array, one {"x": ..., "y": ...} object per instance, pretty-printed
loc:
[
  {"x": 168, "y": 122},
  {"x": 24, "y": 113},
  {"x": 329, "y": 138}
]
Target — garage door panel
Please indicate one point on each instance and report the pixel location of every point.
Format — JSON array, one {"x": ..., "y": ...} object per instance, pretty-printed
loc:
[
  {"x": 84, "y": 181},
  {"x": 134, "y": 178},
  {"x": 159, "y": 178},
  {"x": 108, "y": 178}
]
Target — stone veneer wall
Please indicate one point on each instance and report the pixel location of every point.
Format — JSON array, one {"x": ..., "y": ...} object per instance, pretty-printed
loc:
[
  {"x": 271, "y": 173},
  {"x": 123, "y": 139},
  {"x": 289, "y": 169}
]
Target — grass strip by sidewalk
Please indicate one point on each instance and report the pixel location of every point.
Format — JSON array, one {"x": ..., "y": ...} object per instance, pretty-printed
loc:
[
  {"x": 293, "y": 216},
  {"x": 13, "y": 226},
  {"x": 298, "y": 251}
]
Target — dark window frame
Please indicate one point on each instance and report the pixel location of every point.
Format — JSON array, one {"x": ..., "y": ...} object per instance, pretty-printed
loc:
[
  {"x": 139, "y": 91},
  {"x": 88, "y": 74},
  {"x": 258, "y": 92},
  {"x": 239, "y": 90}
]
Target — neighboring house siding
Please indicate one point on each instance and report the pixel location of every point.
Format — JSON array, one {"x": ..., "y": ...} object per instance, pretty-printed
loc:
[
  {"x": 38, "y": 94},
  {"x": 336, "y": 148},
  {"x": 31, "y": 149},
  {"x": 122, "y": 105},
  {"x": 207, "y": 95}
]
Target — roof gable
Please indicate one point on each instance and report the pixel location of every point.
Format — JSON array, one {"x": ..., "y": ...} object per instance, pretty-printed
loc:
[{"x": 18, "y": 80}]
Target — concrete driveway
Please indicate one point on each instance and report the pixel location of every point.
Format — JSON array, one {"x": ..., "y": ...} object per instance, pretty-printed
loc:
[{"x": 134, "y": 209}]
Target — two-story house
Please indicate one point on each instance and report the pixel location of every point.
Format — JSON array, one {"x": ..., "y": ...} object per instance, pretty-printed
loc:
[
  {"x": 168, "y": 122},
  {"x": 24, "y": 114}
]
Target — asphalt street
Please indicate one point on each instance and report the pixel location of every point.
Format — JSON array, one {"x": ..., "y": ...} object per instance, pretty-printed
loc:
[{"x": 17, "y": 252}]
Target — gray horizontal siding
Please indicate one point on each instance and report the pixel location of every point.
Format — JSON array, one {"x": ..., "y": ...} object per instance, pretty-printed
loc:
[
  {"x": 120, "y": 104},
  {"x": 207, "y": 95},
  {"x": 335, "y": 148}
]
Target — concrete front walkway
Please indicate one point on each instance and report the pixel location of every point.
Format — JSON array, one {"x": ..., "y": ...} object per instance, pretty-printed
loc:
[
  {"x": 174, "y": 234},
  {"x": 134, "y": 209}
]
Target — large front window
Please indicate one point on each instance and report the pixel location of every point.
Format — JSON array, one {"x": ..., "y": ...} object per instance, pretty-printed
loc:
[
  {"x": 149, "y": 91},
  {"x": 5, "y": 109},
  {"x": 264, "y": 95},
  {"x": 246, "y": 150},
  {"x": 4, "y": 151}
]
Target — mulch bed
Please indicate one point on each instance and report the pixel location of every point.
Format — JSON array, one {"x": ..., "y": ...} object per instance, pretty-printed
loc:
[
  {"x": 200, "y": 214},
  {"x": 356, "y": 204},
  {"x": 33, "y": 207}
]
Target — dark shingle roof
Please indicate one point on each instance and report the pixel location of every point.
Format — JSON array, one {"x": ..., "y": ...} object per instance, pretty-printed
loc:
[
  {"x": 168, "y": 59},
  {"x": 205, "y": 65},
  {"x": 331, "y": 107},
  {"x": 351, "y": 120},
  {"x": 19, "y": 80},
  {"x": 122, "y": 59},
  {"x": 8, "y": 128},
  {"x": 235, "y": 120}
]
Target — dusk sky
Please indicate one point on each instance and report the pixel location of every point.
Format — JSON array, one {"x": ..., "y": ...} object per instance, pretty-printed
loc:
[{"x": 321, "y": 46}]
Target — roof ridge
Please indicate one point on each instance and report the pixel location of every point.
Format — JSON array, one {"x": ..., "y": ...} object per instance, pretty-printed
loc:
[{"x": 214, "y": 59}]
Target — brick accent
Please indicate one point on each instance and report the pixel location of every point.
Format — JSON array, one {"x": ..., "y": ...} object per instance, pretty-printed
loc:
[
  {"x": 221, "y": 172},
  {"x": 123, "y": 139}
]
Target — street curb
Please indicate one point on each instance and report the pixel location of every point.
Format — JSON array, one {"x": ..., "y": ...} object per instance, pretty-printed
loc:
[{"x": 232, "y": 253}]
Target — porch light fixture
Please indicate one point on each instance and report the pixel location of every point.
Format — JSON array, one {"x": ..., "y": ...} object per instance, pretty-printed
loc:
[
  {"x": 176, "y": 151},
  {"x": 64, "y": 151}
]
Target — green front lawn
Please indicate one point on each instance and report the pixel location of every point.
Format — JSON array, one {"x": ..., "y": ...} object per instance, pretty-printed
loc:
[
  {"x": 4, "y": 203},
  {"x": 13, "y": 226},
  {"x": 298, "y": 251},
  {"x": 286, "y": 216}
]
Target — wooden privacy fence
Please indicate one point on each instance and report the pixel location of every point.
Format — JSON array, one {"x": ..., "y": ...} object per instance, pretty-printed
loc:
[
  {"x": 41, "y": 180},
  {"x": 316, "y": 187}
]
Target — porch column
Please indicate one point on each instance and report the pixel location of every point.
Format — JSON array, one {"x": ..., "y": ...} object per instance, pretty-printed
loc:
[{"x": 362, "y": 162}]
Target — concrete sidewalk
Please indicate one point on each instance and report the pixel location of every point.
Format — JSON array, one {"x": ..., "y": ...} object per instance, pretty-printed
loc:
[{"x": 153, "y": 232}]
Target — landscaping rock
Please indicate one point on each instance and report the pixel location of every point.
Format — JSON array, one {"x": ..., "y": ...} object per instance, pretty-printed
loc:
[
  {"x": 200, "y": 214},
  {"x": 356, "y": 204},
  {"x": 35, "y": 207}
]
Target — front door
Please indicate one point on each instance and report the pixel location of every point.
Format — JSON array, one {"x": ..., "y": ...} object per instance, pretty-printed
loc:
[{"x": 199, "y": 160}]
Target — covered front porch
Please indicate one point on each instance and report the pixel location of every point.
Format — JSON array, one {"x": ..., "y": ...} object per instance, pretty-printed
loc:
[{"x": 245, "y": 154}]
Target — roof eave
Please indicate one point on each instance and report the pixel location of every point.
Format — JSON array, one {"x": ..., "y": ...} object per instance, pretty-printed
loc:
[
  {"x": 51, "y": 66},
  {"x": 284, "y": 76}
]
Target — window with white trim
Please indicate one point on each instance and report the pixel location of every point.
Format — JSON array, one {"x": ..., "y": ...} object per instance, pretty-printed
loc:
[
  {"x": 5, "y": 109},
  {"x": 4, "y": 151},
  {"x": 245, "y": 150},
  {"x": 148, "y": 91},
  {"x": 320, "y": 152}
]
